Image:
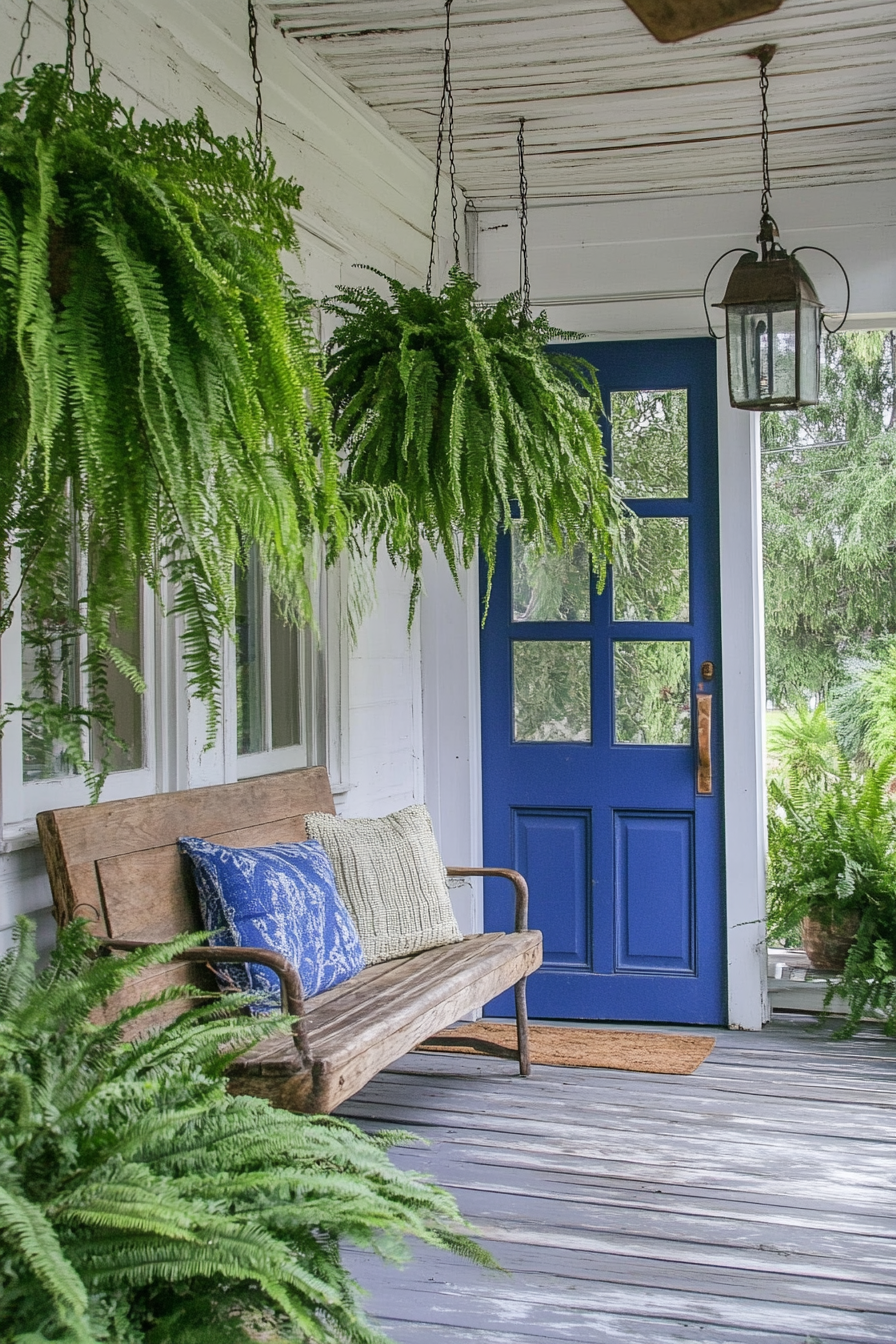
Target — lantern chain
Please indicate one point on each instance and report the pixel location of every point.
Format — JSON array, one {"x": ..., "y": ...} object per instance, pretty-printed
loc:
[
  {"x": 768, "y": 229},
  {"x": 525, "y": 288},
  {"x": 256, "y": 80},
  {"x": 446, "y": 126},
  {"x": 16, "y": 68},
  {"x": 763, "y": 90}
]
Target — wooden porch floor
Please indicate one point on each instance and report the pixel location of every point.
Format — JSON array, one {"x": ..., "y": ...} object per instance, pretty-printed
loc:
[{"x": 750, "y": 1203}]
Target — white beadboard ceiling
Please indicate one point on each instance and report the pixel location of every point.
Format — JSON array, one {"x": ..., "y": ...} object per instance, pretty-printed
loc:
[{"x": 610, "y": 112}]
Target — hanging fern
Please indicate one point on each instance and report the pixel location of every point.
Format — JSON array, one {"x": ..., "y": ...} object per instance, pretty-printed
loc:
[
  {"x": 161, "y": 388},
  {"x": 140, "y": 1202},
  {"x": 461, "y": 408}
]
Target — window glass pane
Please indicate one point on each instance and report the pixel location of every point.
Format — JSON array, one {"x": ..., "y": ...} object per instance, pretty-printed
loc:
[
  {"x": 551, "y": 587},
  {"x": 286, "y": 708},
  {"x": 249, "y": 657},
  {"x": 651, "y": 580},
  {"x": 652, "y": 691},
  {"x": 552, "y": 691},
  {"x": 127, "y": 704},
  {"x": 43, "y": 755},
  {"x": 650, "y": 443},
  {"x": 50, "y": 668}
]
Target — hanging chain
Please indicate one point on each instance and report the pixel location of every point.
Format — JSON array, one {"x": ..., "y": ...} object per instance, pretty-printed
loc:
[
  {"x": 71, "y": 37},
  {"x": 88, "y": 47},
  {"x": 446, "y": 120},
  {"x": 768, "y": 229},
  {"x": 766, "y": 180},
  {"x": 70, "y": 43},
  {"x": 525, "y": 290},
  {"x": 256, "y": 80},
  {"x": 16, "y": 68}
]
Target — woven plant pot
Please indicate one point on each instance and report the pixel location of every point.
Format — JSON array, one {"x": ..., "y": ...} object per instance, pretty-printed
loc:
[{"x": 827, "y": 946}]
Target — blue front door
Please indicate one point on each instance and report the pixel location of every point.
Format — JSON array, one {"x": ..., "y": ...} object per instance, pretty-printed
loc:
[{"x": 601, "y": 724}]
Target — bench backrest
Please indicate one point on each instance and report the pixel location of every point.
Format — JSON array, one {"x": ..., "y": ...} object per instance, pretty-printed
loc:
[{"x": 118, "y": 865}]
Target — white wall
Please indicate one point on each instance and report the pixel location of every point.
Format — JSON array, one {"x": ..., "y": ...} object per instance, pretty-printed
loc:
[
  {"x": 367, "y": 197},
  {"x": 449, "y": 636},
  {"x": 633, "y": 269}
]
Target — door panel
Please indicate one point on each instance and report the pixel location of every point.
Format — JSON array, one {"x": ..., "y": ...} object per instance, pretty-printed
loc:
[
  {"x": 654, "y": 891},
  {"x": 554, "y": 848},
  {"x": 589, "y": 719}
]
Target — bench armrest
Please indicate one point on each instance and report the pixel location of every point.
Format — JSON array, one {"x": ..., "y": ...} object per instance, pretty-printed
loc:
[
  {"x": 292, "y": 999},
  {"x": 521, "y": 891}
]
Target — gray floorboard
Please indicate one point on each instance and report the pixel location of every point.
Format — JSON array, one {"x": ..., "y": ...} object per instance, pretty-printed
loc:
[{"x": 753, "y": 1202}]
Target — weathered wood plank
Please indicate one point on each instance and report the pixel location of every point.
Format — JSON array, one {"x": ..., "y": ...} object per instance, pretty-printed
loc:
[
  {"x": 617, "y": 1101},
  {"x": 711, "y": 1236},
  {"x": 493, "y": 1313}
]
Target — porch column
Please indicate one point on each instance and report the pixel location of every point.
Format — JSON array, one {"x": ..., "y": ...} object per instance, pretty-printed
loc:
[{"x": 743, "y": 711}]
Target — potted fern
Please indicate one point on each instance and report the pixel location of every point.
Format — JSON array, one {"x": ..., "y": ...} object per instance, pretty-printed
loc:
[
  {"x": 162, "y": 398},
  {"x": 140, "y": 1202},
  {"x": 459, "y": 406},
  {"x": 832, "y": 864}
]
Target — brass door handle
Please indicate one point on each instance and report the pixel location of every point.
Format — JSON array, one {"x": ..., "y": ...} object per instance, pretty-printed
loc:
[{"x": 704, "y": 744}]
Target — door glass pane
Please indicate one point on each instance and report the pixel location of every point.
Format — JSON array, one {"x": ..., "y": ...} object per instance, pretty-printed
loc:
[
  {"x": 650, "y": 443},
  {"x": 552, "y": 587},
  {"x": 652, "y": 691},
  {"x": 651, "y": 582},
  {"x": 552, "y": 690}
]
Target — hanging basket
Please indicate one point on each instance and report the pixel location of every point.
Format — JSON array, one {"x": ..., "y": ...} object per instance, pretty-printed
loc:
[{"x": 458, "y": 409}]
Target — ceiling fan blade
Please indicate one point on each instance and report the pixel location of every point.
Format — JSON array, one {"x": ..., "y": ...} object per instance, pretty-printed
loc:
[{"x": 672, "y": 20}]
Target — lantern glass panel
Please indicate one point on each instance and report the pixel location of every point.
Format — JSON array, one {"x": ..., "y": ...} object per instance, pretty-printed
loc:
[
  {"x": 761, "y": 353},
  {"x": 783, "y": 325},
  {"x": 810, "y": 334}
]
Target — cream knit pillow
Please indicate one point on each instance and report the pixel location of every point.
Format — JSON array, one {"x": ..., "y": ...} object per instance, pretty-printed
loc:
[{"x": 389, "y": 873}]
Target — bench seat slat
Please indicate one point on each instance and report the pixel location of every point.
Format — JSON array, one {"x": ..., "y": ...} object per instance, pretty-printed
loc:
[{"x": 388, "y": 1016}]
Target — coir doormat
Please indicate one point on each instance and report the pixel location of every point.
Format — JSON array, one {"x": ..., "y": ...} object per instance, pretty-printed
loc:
[{"x": 578, "y": 1047}]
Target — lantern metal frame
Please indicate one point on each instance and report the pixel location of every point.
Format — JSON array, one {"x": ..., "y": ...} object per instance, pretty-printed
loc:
[{"x": 772, "y": 281}]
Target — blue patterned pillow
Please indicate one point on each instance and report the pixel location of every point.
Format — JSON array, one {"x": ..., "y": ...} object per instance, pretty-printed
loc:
[{"x": 281, "y": 897}]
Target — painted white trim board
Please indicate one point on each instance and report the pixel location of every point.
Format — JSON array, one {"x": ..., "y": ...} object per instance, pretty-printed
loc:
[{"x": 743, "y": 706}]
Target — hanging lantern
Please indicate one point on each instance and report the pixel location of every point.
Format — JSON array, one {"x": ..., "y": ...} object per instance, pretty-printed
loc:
[{"x": 773, "y": 316}]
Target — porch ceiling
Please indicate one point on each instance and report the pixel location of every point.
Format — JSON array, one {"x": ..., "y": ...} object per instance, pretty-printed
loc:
[{"x": 610, "y": 112}]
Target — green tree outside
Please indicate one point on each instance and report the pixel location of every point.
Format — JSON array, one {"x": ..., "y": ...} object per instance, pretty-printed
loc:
[{"x": 829, "y": 521}]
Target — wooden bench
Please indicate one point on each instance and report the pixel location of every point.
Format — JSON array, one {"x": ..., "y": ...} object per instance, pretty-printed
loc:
[{"x": 118, "y": 865}]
